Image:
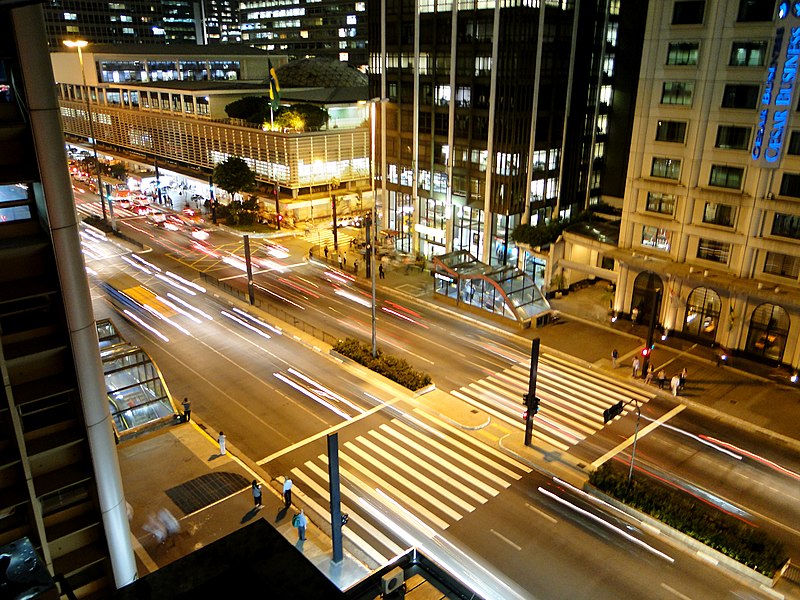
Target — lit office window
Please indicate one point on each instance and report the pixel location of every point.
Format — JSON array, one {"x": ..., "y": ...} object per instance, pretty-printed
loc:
[
  {"x": 727, "y": 177},
  {"x": 656, "y": 237},
  {"x": 748, "y": 54},
  {"x": 669, "y": 168},
  {"x": 677, "y": 92},
  {"x": 719, "y": 214},
  {"x": 782, "y": 265},
  {"x": 683, "y": 53},
  {"x": 730, "y": 137},
  {"x": 713, "y": 250},
  {"x": 661, "y": 203}
]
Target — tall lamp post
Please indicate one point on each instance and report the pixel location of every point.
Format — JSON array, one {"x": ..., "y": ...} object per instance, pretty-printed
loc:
[
  {"x": 80, "y": 44},
  {"x": 334, "y": 183}
]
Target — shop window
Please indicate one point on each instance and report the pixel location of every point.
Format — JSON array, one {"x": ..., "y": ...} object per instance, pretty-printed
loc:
[
  {"x": 702, "y": 313},
  {"x": 766, "y": 336}
]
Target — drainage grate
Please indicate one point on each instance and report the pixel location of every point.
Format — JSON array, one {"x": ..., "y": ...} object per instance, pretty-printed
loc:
[{"x": 202, "y": 491}]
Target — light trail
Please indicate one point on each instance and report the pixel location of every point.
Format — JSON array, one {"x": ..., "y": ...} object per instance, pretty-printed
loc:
[{"x": 313, "y": 396}]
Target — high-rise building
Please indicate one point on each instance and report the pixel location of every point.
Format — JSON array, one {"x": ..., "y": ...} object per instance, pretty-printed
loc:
[
  {"x": 323, "y": 29},
  {"x": 60, "y": 483},
  {"x": 220, "y": 22},
  {"x": 492, "y": 115},
  {"x": 710, "y": 237}
]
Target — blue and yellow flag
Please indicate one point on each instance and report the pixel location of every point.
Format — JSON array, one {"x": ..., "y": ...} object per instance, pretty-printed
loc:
[{"x": 274, "y": 87}]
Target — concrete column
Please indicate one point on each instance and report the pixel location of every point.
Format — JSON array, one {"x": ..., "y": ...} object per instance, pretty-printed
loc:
[{"x": 57, "y": 188}]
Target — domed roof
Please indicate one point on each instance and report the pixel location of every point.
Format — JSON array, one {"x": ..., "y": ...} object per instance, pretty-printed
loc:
[{"x": 319, "y": 72}]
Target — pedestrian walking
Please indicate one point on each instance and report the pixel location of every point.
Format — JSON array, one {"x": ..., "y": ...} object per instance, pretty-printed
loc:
[
  {"x": 614, "y": 357},
  {"x": 635, "y": 367},
  {"x": 381, "y": 272},
  {"x": 287, "y": 492},
  {"x": 156, "y": 528},
  {"x": 325, "y": 251},
  {"x": 187, "y": 410},
  {"x": 355, "y": 267},
  {"x": 221, "y": 440},
  {"x": 662, "y": 379},
  {"x": 301, "y": 522},
  {"x": 634, "y": 315},
  {"x": 682, "y": 376},
  {"x": 256, "y": 494},
  {"x": 168, "y": 520},
  {"x": 675, "y": 383},
  {"x": 650, "y": 372},
  {"x": 341, "y": 265},
  {"x": 344, "y": 259},
  {"x": 310, "y": 253}
]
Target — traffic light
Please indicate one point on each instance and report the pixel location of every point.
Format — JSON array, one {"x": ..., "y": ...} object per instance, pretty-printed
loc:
[
  {"x": 646, "y": 351},
  {"x": 345, "y": 519},
  {"x": 535, "y": 405},
  {"x": 613, "y": 411}
]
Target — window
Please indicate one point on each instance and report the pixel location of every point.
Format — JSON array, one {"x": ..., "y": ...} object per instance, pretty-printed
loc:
[
  {"x": 713, "y": 250},
  {"x": 786, "y": 226},
  {"x": 661, "y": 203},
  {"x": 719, "y": 214},
  {"x": 682, "y": 53},
  {"x": 666, "y": 167},
  {"x": 688, "y": 12},
  {"x": 794, "y": 143},
  {"x": 790, "y": 185},
  {"x": 748, "y": 54},
  {"x": 755, "y": 10},
  {"x": 702, "y": 313},
  {"x": 730, "y": 137},
  {"x": 782, "y": 265},
  {"x": 727, "y": 177},
  {"x": 671, "y": 131},
  {"x": 740, "y": 96},
  {"x": 656, "y": 237},
  {"x": 677, "y": 92}
]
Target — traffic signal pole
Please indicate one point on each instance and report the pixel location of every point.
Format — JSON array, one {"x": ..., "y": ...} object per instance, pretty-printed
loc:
[
  {"x": 651, "y": 327},
  {"x": 530, "y": 400}
]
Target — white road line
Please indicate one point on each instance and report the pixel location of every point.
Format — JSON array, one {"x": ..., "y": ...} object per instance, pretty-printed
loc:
[
  {"x": 475, "y": 446},
  {"x": 424, "y": 482},
  {"x": 389, "y": 488},
  {"x": 456, "y": 457},
  {"x": 665, "y": 417},
  {"x": 541, "y": 513},
  {"x": 423, "y": 464},
  {"x": 675, "y": 592},
  {"x": 423, "y": 451},
  {"x": 506, "y": 540},
  {"x": 323, "y": 492}
]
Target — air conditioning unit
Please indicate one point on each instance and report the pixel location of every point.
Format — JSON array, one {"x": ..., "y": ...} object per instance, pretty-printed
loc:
[{"x": 392, "y": 581}]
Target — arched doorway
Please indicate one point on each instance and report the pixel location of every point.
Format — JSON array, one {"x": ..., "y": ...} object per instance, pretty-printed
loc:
[
  {"x": 647, "y": 288},
  {"x": 702, "y": 314},
  {"x": 766, "y": 336}
]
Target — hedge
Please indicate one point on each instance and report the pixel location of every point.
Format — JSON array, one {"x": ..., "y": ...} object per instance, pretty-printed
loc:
[
  {"x": 716, "y": 529},
  {"x": 396, "y": 369}
]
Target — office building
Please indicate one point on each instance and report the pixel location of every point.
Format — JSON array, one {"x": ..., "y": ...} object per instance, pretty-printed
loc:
[
  {"x": 493, "y": 116},
  {"x": 710, "y": 237}
]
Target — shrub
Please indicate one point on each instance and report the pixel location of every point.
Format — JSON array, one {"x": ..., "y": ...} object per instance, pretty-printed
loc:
[
  {"x": 391, "y": 367},
  {"x": 713, "y": 527}
]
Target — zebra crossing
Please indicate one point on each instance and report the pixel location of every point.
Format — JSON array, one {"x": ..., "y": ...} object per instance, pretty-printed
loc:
[
  {"x": 421, "y": 468},
  {"x": 572, "y": 399},
  {"x": 324, "y": 237}
]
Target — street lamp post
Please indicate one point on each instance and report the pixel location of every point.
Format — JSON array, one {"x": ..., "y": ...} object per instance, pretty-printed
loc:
[
  {"x": 334, "y": 183},
  {"x": 80, "y": 44}
]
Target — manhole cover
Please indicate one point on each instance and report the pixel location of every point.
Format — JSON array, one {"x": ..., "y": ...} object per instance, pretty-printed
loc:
[{"x": 202, "y": 491}]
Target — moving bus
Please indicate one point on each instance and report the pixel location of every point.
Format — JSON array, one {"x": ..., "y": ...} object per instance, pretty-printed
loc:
[{"x": 128, "y": 294}]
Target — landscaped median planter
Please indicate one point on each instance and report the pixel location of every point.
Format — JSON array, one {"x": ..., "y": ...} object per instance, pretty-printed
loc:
[
  {"x": 396, "y": 369},
  {"x": 717, "y": 534}
]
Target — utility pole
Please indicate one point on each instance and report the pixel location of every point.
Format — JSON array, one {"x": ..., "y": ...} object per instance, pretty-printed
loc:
[
  {"x": 249, "y": 264},
  {"x": 277, "y": 207},
  {"x": 338, "y": 518},
  {"x": 651, "y": 327},
  {"x": 334, "y": 183},
  {"x": 530, "y": 400}
]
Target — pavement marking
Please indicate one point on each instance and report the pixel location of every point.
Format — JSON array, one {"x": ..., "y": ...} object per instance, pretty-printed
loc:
[
  {"x": 143, "y": 555},
  {"x": 506, "y": 540},
  {"x": 665, "y": 417},
  {"x": 542, "y": 513},
  {"x": 332, "y": 429},
  {"x": 675, "y": 592}
]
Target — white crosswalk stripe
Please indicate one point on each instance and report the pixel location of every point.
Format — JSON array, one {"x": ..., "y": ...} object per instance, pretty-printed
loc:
[
  {"x": 420, "y": 466},
  {"x": 572, "y": 399},
  {"x": 324, "y": 237}
]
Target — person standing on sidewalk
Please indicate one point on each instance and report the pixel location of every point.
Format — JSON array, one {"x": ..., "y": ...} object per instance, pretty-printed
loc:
[
  {"x": 634, "y": 315},
  {"x": 650, "y": 372},
  {"x": 614, "y": 357},
  {"x": 682, "y": 376},
  {"x": 381, "y": 272},
  {"x": 287, "y": 492},
  {"x": 635, "y": 367},
  {"x": 355, "y": 267},
  {"x": 325, "y": 251},
  {"x": 662, "y": 379},
  {"x": 221, "y": 440},
  {"x": 187, "y": 410},
  {"x": 256, "y": 494},
  {"x": 675, "y": 383},
  {"x": 301, "y": 522}
]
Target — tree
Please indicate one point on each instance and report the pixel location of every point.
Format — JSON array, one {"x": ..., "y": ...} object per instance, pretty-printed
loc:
[
  {"x": 234, "y": 176},
  {"x": 300, "y": 116},
  {"x": 253, "y": 109}
]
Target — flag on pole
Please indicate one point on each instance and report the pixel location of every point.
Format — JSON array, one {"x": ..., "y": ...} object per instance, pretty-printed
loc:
[{"x": 274, "y": 87}]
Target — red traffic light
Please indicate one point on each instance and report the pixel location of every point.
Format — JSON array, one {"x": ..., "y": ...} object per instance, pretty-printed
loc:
[
  {"x": 525, "y": 415},
  {"x": 645, "y": 351}
]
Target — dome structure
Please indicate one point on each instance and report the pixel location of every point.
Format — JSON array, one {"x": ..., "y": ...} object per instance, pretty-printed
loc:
[{"x": 319, "y": 72}]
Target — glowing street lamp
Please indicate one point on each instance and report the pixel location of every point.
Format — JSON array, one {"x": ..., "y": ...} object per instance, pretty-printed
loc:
[{"x": 80, "y": 44}]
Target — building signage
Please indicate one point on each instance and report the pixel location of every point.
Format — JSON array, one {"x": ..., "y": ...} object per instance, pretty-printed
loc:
[{"x": 778, "y": 93}]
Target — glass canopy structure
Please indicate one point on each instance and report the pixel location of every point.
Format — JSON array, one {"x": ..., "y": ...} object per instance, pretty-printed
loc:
[
  {"x": 503, "y": 291},
  {"x": 137, "y": 394}
]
